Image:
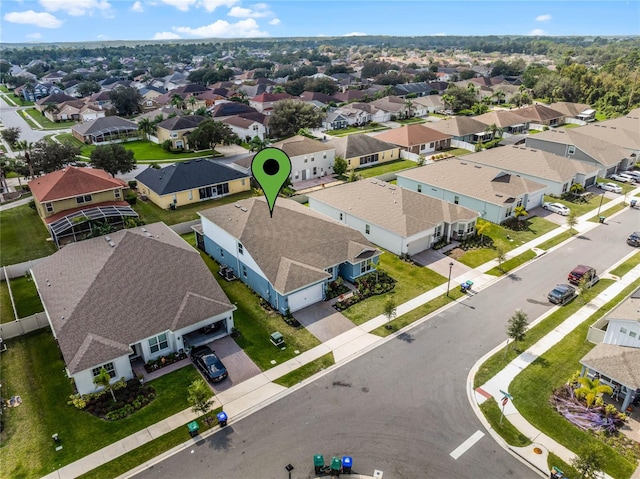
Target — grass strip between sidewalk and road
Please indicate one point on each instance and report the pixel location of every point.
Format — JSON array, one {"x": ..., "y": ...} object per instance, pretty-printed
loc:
[
  {"x": 626, "y": 266},
  {"x": 553, "y": 460},
  {"x": 608, "y": 212},
  {"x": 512, "y": 263},
  {"x": 532, "y": 388},
  {"x": 306, "y": 371},
  {"x": 507, "y": 431},
  {"x": 556, "y": 240}
]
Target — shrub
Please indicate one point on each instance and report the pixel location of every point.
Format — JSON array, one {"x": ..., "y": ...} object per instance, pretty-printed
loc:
[
  {"x": 166, "y": 145},
  {"x": 131, "y": 199},
  {"x": 32, "y": 204},
  {"x": 133, "y": 184}
]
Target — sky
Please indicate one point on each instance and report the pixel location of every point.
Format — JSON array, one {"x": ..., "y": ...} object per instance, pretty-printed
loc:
[{"x": 51, "y": 21}]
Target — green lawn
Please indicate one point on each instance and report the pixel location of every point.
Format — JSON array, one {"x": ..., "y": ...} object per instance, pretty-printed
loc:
[
  {"x": 151, "y": 213},
  {"x": 512, "y": 263},
  {"x": 553, "y": 460},
  {"x": 531, "y": 390},
  {"x": 608, "y": 212},
  {"x": 32, "y": 368},
  {"x": 387, "y": 167},
  {"x": 501, "y": 359},
  {"x": 26, "y": 296},
  {"x": 352, "y": 130},
  {"x": 143, "y": 150},
  {"x": 507, "y": 431},
  {"x": 581, "y": 208},
  {"x": 23, "y": 236},
  {"x": 28, "y": 119},
  {"x": 556, "y": 240},
  {"x": 411, "y": 120},
  {"x": 627, "y": 266},
  {"x": 570, "y": 125},
  {"x": 308, "y": 370},
  {"x": 411, "y": 281},
  {"x": 46, "y": 123},
  {"x": 506, "y": 239},
  {"x": 601, "y": 116},
  {"x": 256, "y": 325},
  {"x": 6, "y": 311}
]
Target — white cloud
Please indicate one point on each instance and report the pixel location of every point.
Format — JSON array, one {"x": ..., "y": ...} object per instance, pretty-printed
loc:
[
  {"x": 260, "y": 10},
  {"x": 165, "y": 36},
  {"x": 77, "y": 8},
  {"x": 137, "y": 7},
  {"x": 102, "y": 37},
  {"x": 182, "y": 5},
  {"x": 537, "y": 32},
  {"x": 354, "y": 34},
  {"x": 34, "y": 36},
  {"x": 543, "y": 18},
  {"x": 221, "y": 28},
  {"x": 439, "y": 34},
  {"x": 275, "y": 21},
  {"x": 29, "y": 17},
  {"x": 211, "y": 5}
]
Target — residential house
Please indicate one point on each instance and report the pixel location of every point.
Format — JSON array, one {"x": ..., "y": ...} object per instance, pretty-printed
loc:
[
  {"x": 177, "y": 130},
  {"x": 74, "y": 192},
  {"x": 362, "y": 150},
  {"x": 581, "y": 144},
  {"x": 417, "y": 138},
  {"x": 190, "y": 182},
  {"x": 54, "y": 77},
  {"x": 615, "y": 359},
  {"x": 163, "y": 112},
  {"x": 557, "y": 172},
  {"x": 141, "y": 294},
  {"x": 418, "y": 89},
  {"x": 108, "y": 129},
  {"x": 101, "y": 99},
  {"x": 507, "y": 120},
  {"x": 54, "y": 99},
  {"x": 246, "y": 127},
  {"x": 620, "y": 131},
  {"x": 334, "y": 120},
  {"x": 465, "y": 131},
  {"x": 430, "y": 103},
  {"x": 148, "y": 101},
  {"x": 359, "y": 113},
  {"x": 223, "y": 110},
  {"x": 265, "y": 102},
  {"x": 540, "y": 116},
  {"x": 309, "y": 158},
  {"x": 318, "y": 98},
  {"x": 492, "y": 192},
  {"x": 290, "y": 271},
  {"x": 574, "y": 111},
  {"x": 399, "y": 220},
  {"x": 396, "y": 106},
  {"x": 40, "y": 90}
]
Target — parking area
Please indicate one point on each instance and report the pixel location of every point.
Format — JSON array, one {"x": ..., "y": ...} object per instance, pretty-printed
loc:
[{"x": 238, "y": 364}]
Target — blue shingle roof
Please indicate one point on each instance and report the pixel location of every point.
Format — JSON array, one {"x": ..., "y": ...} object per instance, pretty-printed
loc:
[{"x": 187, "y": 175}]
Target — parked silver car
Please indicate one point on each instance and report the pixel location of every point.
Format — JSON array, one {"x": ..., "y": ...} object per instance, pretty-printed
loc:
[{"x": 610, "y": 187}]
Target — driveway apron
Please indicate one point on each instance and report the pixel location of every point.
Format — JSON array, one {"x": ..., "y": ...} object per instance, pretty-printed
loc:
[{"x": 323, "y": 321}]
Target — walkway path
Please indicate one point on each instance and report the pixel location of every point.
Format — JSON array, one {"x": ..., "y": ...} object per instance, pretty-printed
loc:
[{"x": 260, "y": 391}]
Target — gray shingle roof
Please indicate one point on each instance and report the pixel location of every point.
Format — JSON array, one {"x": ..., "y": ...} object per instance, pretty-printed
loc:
[
  {"x": 101, "y": 299},
  {"x": 458, "y": 126},
  {"x": 105, "y": 123},
  {"x": 396, "y": 209},
  {"x": 352, "y": 146},
  {"x": 181, "y": 122},
  {"x": 186, "y": 175},
  {"x": 295, "y": 246},
  {"x": 622, "y": 364}
]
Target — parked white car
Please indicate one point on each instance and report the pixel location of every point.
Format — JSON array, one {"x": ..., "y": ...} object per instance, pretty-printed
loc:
[
  {"x": 633, "y": 174},
  {"x": 556, "y": 208},
  {"x": 620, "y": 178},
  {"x": 630, "y": 177},
  {"x": 610, "y": 187}
]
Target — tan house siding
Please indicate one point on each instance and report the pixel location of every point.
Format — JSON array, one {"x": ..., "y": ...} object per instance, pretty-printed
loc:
[
  {"x": 71, "y": 203},
  {"x": 175, "y": 136},
  {"x": 189, "y": 196}
]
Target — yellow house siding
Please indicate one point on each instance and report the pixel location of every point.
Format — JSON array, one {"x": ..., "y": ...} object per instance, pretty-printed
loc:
[
  {"x": 185, "y": 198},
  {"x": 70, "y": 203},
  {"x": 383, "y": 157},
  {"x": 164, "y": 135},
  {"x": 236, "y": 186}
]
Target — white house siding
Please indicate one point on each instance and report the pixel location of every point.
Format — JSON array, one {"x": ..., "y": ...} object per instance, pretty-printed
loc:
[
  {"x": 322, "y": 161},
  {"x": 418, "y": 243},
  {"x": 305, "y": 297},
  {"x": 250, "y": 132},
  {"x": 179, "y": 334},
  {"x": 621, "y": 333},
  {"x": 535, "y": 199},
  {"x": 84, "y": 379}
]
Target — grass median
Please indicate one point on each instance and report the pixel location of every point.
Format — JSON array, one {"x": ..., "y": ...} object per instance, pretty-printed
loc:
[
  {"x": 507, "y": 431},
  {"x": 512, "y": 263},
  {"x": 308, "y": 370}
]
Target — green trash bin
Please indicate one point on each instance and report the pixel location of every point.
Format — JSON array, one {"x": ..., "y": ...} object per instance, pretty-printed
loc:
[
  {"x": 601, "y": 218},
  {"x": 318, "y": 463},
  {"x": 336, "y": 465},
  {"x": 193, "y": 427}
]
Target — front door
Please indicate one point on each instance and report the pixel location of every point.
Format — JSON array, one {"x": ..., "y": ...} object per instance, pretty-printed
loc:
[{"x": 304, "y": 175}]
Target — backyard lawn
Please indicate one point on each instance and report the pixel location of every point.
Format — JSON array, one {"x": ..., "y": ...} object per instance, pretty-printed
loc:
[
  {"x": 256, "y": 324},
  {"x": 388, "y": 167},
  {"x": 411, "y": 281},
  {"x": 26, "y": 296},
  {"x": 23, "y": 236},
  {"x": 151, "y": 213},
  {"x": 506, "y": 239},
  {"x": 351, "y": 130},
  {"x": 32, "y": 368},
  {"x": 46, "y": 123},
  {"x": 6, "y": 311}
]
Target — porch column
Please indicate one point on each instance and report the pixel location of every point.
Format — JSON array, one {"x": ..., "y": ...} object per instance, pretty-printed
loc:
[
  {"x": 627, "y": 399},
  {"x": 582, "y": 371}
]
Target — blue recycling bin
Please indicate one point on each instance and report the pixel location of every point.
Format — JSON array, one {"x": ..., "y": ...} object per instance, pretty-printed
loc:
[
  {"x": 222, "y": 418},
  {"x": 347, "y": 463}
]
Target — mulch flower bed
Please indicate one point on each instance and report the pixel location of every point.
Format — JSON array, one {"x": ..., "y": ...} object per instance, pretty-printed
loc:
[
  {"x": 163, "y": 361},
  {"x": 368, "y": 285}
]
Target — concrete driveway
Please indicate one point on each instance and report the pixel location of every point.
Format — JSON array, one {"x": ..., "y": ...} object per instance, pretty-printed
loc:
[
  {"x": 238, "y": 364},
  {"x": 439, "y": 262},
  {"x": 323, "y": 321}
]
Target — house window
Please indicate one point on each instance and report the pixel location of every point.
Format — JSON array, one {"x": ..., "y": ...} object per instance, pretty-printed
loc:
[
  {"x": 419, "y": 188},
  {"x": 244, "y": 271},
  {"x": 190, "y": 194},
  {"x": 296, "y": 175},
  {"x": 341, "y": 216},
  {"x": 179, "y": 144},
  {"x": 438, "y": 231},
  {"x": 305, "y": 160},
  {"x": 365, "y": 266},
  {"x": 49, "y": 207},
  {"x": 571, "y": 150},
  {"x": 460, "y": 231},
  {"x": 240, "y": 248},
  {"x": 83, "y": 199},
  {"x": 456, "y": 199},
  {"x": 213, "y": 191},
  {"x": 509, "y": 211},
  {"x": 349, "y": 162},
  {"x": 368, "y": 159},
  {"x": 623, "y": 330},
  {"x": 149, "y": 103},
  {"x": 519, "y": 202},
  {"x": 158, "y": 343},
  {"x": 108, "y": 367},
  {"x": 632, "y": 334},
  {"x": 312, "y": 158},
  {"x": 330, "y": 270},
  {"x": 565, "y": 187},
  {"x": 116, "y": 194},
  {"x": 431, "y": 145},
  {"x": 315, "y": 170},
  {"x": 471, "y": 227},
  {"x": 367, "y": 229},
  {"x": 324, "y": 156},
  {"x": 242, "y": 181}
]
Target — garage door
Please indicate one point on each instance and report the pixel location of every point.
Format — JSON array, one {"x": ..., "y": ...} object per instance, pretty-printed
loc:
[
  {"x": 418, "y": 245},
  {"x": 534, "y": 200},
  {"x": 305, "y": 297}
]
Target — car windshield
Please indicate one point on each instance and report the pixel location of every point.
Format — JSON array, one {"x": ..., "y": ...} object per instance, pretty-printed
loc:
[
  {"x": 213, "y": 363},
  {"x": 558, "y": 291}
]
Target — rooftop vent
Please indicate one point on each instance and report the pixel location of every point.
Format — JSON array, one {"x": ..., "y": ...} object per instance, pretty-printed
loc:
[
  {"x": 237, "y": 205},
  {"x": 534, "y": 150},
  {"x": 463, "y": 163},
  {"x": 107, "y": 238},
  {"x": 144, "y": 229},
  {"x": 375, "y": 182},
  {"x": 244, "y": 209},
  {"x": 477, "y": 166},
  {"x": 112, "y": 244}
]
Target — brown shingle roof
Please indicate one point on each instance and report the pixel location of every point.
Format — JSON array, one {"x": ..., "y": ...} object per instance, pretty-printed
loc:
[
  {"x": 410, "y": 135},
  {"x": 459, "y": 126},
  {"x": 287, "y": 261},
  {"x": 101, "y": 299},
  {"x": 300, "y": 145},
  {"x": 622, "y": 364},
  {"x": 352, "y": 146},
  {"x": 72, "y": 181},
  {"x": 538, "y": 113}
]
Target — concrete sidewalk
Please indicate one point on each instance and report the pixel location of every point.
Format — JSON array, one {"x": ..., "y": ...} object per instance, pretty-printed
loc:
[{"x": 260, "y": 391}]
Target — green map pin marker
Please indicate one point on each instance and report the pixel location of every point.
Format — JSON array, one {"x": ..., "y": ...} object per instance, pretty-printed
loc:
[{"x": 271, "y": 167}]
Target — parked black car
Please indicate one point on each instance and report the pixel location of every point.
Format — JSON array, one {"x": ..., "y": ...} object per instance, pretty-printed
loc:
[
  {"x": 209, "y": 364},
  {"x": 634, "y": 239},
  {"x": 561, "y": 294}
]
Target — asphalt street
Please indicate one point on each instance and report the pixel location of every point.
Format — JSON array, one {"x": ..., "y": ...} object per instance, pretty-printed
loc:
[
  {"x": 401, "y": 408},
  {"x": 10, "y": 119}
]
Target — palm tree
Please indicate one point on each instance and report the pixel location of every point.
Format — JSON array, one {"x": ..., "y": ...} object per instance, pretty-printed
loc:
[
  {"x": 495, "y": 130},
  {"x": 192, "y": 101},
  {"x": 177, "y": 101},
  {"x": 481, "y": 228},
  {"x": 26, "y": 146},
  {"x": 51, "y": 107},
  {"x": 472, "y": 88},
  {"x": 257, "y": 143},
  {"x": 146, "y": 127},
  {"x": 278, "y": 89},
  {"x": 499, "y": 95},
  {"x": 591, "y": 389},
  {"x": 409, "y": 105},
  {"x": 104, "y": 379},
  {"x": 448, "y": 100}
]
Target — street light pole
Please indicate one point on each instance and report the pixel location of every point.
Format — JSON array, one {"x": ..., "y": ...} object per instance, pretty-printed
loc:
[
  {"x": 449, "y": 281},
  {"x": 601, "y": 198}
]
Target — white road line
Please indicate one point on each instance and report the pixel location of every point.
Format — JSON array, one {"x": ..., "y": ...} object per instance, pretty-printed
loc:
[{"x": 466, "y": 445}]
